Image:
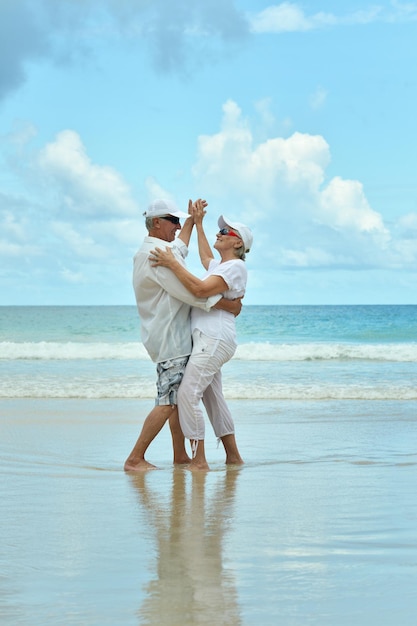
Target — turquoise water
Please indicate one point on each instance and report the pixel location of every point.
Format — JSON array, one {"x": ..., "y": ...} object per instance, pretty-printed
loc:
[
  {"x": 317, "y": 528},
  {"x": 285, "y": 352},
  {"x": 373, "y": 323}
]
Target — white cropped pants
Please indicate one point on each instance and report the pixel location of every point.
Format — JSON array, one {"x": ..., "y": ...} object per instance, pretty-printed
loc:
[{"x": 203, "y": 381}]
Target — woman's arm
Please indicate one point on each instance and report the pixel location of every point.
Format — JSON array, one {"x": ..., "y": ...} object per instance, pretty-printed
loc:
[
  {"x": 200, "y": 288},
  {"x": 204, "y": 248}
]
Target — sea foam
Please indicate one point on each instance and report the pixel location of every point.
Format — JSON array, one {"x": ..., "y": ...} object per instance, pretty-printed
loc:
[{"x": 49, "y": 351}]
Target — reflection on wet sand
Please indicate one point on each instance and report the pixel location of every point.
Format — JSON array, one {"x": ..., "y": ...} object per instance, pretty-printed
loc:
[{"x": 191, "y": 585}]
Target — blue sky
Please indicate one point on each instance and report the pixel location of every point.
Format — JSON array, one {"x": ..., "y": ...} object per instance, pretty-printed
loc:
[{"x": 297, "y": 118}]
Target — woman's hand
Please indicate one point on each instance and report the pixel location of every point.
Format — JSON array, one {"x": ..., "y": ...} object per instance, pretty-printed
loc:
[
  {"x": 198, "y": 211},
  {"x": 165, "y": 258}
]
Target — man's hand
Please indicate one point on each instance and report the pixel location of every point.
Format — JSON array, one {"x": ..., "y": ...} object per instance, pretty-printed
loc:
[
  {"x": 190, "y": 208},
  {"x": 198, "y": 210},
  {"x": 231, "y": 306}
]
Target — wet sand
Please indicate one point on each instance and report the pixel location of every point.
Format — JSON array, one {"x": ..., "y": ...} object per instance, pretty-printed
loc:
[{"x": 319, "y": 527}]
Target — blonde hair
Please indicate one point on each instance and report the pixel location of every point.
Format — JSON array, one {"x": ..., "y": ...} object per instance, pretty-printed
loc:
[{"x": 240, "y": 252}]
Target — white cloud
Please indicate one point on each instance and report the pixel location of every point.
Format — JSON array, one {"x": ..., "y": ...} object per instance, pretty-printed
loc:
[
  {"x": 290, "y": 17},
  {"x": 318, "y": 98},
  {"x": 343, "y": 204},
  {"x": 88, "y": 189},
  {"x": 403, "y": 11},
  {"x": 9, "y": 249},
  {"x": 84, "y": 246},
  {"x": 72, "y": 277},
  {"x": 64, "y": 31},
  {"x": 178, "y": 35},
  {"x": 12, "y": 227},
  {"x": 229, "y": 159},
  {"x": 16, "y": 230},
  {"x": 405, "y": 244},
  {"x": 95, "y": 228},
  {"x": 20, "y": 38},
  {"x": 155, "y": 190},
  {"x": 22, "y": 133},
  {"x": 283, "y": 18},
  {"x": 281, "y": 190},
  {"x": 404, "y": 253},
  {"x": 263, "y": 107},
  {"x": 127, "y": 232},
  {"x": 407, "y": 225},
  {"x": 308, "y": 257}
]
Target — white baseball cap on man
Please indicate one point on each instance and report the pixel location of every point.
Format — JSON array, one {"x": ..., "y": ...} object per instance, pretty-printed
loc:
[
  {"x": 244, "y": 231},
  {"x": 158, "y": 208}
]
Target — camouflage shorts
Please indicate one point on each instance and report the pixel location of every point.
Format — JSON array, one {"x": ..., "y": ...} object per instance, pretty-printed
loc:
[{"x": 170, "y": 375}]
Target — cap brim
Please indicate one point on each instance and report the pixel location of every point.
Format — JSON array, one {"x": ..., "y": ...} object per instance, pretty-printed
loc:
[
  {"x": 223, "y": 223},
  {"x": 179, "y": 214}
]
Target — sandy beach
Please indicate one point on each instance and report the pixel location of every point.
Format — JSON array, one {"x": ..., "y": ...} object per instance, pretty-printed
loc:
[{"x": 318, "y": 527}]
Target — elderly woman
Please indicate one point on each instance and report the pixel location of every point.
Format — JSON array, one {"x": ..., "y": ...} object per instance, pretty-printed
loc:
[{"x": 213, "y": 332}]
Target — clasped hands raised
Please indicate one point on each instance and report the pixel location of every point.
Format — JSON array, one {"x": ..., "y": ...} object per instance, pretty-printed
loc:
[
  {"x": 165, "y": 258},
  {"x": 197, "y": 210}
]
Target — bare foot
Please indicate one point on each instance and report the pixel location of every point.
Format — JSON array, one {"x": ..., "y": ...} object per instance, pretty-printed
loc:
[
  {"x": 182, "y": 460},
  {"x": 140, "y": 466},
  {"x": 198, "y": 466},
  {"x": 232, "y": 460}
]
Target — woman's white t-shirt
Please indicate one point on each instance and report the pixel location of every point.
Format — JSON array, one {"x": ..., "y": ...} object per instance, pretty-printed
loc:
[{"x": 217, "y": 323}]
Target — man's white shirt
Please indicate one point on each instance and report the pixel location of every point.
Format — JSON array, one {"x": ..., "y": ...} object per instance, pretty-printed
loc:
[{"x": 164, "y": 303}]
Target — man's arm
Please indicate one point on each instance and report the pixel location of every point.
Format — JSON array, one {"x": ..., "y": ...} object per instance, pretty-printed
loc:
[
  {"x": 231, "y": 306},
  {"x": 187, "y": 229},
  {"x": 204, "y": 248}
]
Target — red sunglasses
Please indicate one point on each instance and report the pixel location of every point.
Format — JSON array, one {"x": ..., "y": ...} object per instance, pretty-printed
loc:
[{"x": 229, "y": 233}]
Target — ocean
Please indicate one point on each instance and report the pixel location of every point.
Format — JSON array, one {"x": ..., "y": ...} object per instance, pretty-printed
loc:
[
  {"x": 284, "y": 353},
  {"x": 317, "y": 528}
]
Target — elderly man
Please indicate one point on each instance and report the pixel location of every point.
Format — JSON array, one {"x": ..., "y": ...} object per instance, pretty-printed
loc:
[{"x": 164, "y": 306}]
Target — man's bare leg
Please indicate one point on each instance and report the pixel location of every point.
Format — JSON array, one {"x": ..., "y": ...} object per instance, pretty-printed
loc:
[
  {"x": 151, "y": 427},
  {"x": 198, "y": 462},
  {"x": 232, "y": 453},
  {"x": 178, "y": 441}
]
